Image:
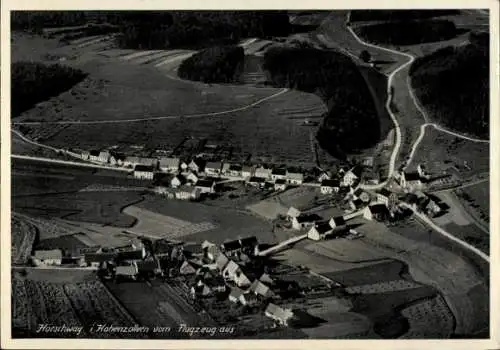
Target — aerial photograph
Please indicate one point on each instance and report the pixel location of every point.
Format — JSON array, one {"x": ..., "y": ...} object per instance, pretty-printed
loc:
[{"x": 256, "y": 174}]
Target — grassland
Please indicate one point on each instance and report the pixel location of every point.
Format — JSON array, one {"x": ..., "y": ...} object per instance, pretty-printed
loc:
[
  {"x": 476, "y": 199},
  {"x": 23, "y": 236}
]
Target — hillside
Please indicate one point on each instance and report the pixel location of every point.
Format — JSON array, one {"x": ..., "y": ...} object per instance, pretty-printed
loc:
[
  {"x": 453, "y": 85},
  {"x": 397, "y": 15}
]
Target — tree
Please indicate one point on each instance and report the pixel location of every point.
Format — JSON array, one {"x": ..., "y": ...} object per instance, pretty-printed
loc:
[{"x": 365, "y": 56}]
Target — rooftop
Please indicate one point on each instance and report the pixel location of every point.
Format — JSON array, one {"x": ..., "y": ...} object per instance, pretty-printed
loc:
[
  {"x": 280, "y": 171},
  {"x": 308, "y": 218},
  {"x": 48, "y": 254},
  {"x": 145, "y": 168},
  {"x": 330, "y": 183}
]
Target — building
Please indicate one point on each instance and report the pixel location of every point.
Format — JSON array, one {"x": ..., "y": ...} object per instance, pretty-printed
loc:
[
  {"x": 225, "y": 168},
  {"x": 305, "y": 221},
  {"x": 384, "y": 196},
  {"x": 265, "y": 278},
  {"x": 144, "y": 172},
  {"x": 263, "y": 173},
  {"x": 377, "y": 212},
  {"x": 235, "y": 170},
  {"x": 178, "y": 181},
  {"x": 169, "y": 164},
  {"x": 247, "y": 171},
  {"x": 197, "y": 165},
  {"x": 324, "y": 176},
  {"x": 200, "y": 291},
  {"x": 235, "y": 294},
  {"x": 249, "y": 245},
  {"x": 231, "y": 248},
  {"x": 352, "y": 176},
  {"x": 133, "y": 161},
  {"x": 422, "y": 171},
  {"x": 94, "y": 156},
  {"x": 212, "y": 251},
  {"x": 187, "y": 193},
  {"x": 206, "y": 186},
  {"x": 127, "y": 271},
  {"x": 187, "y": 268},
  {"x": 97, "y": 259},
  {"x": 294, "y": 178},
  {"x": 192, "y": 178},
  {"x": 359, "y": 193},
  {"x": 85, "y": 155},
  {"x": 279, "y": 315},
  {"x": 221, "y": 262},
  {"x": 116, "y": 158},
  {"x": 260, "y": 289},
  {"x": 257, "y": 181},
  {"x": 248, "y": 299},
  {"x": 278, "y": 174},
  {"x": 213, "y": 168},
  {"x": 357, "y": 204},
  {"x": 329, "y": 186},
  {"x": 233, "y": 272},
  {"x": 280, "y": 185},
  {"x": 410, "y": 180},
  {"x": 337, "y": 222},
  {"x": 104, "y": 157},
  {"x": 319, "y": 231},
  {"x": 47, "y": 257},
  {"x": 216, "y": 284},
  {"x": 292, "y": 213}
]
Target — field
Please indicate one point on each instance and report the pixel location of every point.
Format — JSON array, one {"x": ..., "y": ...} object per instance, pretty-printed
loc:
[
  {"x": 46, "y": 300},
  {"x": 374, "y": 273},
  {"x": 23, "y": 235},
  {"x": 476, "y": 199}
]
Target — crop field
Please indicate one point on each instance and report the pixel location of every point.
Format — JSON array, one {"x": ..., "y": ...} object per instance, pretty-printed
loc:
[
  {"x": 229, "y": 223},
  {"x": 368, "y": 275},
  {"x": 347, "y": 250},
  {"x": 23, "y": 235},
  {"x": 476, "y": 199},
  {"x": 382, "y": 287},
  {"x": 428, "y": 319},
  {"x": 160, "y": 225},
  {"x": 67, "y": 243},
  {"x": 340, "y": 325},
  {"x": 97, "y": 207}
]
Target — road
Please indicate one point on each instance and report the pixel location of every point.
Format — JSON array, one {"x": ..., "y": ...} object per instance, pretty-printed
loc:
[
  {"x": 67, "y": 162},
  {"x": 448, "y": 235},
  {"x": 120, "y": 121}
]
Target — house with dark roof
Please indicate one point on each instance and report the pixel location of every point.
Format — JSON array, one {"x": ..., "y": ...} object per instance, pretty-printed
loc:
[
  {"x": 178, "y": 181},
  {"x": 231, "y": 248},
  {"x": 410, "y": 180},
  {"x": 98, "y": 259},
  {"x": 221, "y": 261},
  {"x": 235, "y": 170},
  {"x": 216, "y": 284},
  {"x": 278, "y": 174},
  {"x": 248, "y": 299},
  {"x": 386, "y": 197},
  {"x": 305, "y": 221},
  {"x": 249, "y": 245},
  {"x": 256, "y": 181},
  {"x": 169, "y": 164},
  {"x": 279, "y": 315},
  {"x": 357, "y": 204},
  {"x": 197, "y": 165},
  {"x": 247, "y": 171},
  {"x": 330, "y": 186},
  {"x": 191, "y": 250},
  {"x": 235, "y": 294},
  {"x": 294, "y": 177},
  {"x": 206, "y": 185},
  {"x": 144, "y": 172},
  {"x": 378, "y": 212},
  {"x": 213, "y": 168},
  {"x": 263, "y": 172},
  {"x": 337, "y": 222},
  {"x": 352, "y": 176},
  {"x": 233, "y": 272},
  {"x": 200, "y": 291},
  {"x": 47, "y": 257},
  {"x": 94, "y": 155},
  {"x": 319, "y": 231},
  {"x": 116, "y": 158},
  {"x": 280, "y": 185}
]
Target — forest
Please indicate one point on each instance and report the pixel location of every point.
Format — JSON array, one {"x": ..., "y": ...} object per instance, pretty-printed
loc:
[
  {"x": 453, "y": 85},
  {"x": 35, "y": 82},
  {"x": 213, "y": 65},
  {"x": 408, "y": 32},
  {"x": 398, "y": 15},
  {"x": 351, "y": 123}
]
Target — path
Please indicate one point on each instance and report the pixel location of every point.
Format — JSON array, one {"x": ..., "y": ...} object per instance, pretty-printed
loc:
[
  {"x": 281, "y": 245},
  {"x": 67, "y": 162},
  {"x": 441, "y": 231},
  {"x": 114, "y": 121}
]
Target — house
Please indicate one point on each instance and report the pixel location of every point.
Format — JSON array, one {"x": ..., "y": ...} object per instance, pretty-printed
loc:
[
  {"x": 116, "y": 158},
  {"x": 47, "y": 257},
  {"x": 202, "y": 290},
  {"x": 256, "y": 181},
  {"x": 178, "y": 181},
  {"x": 187, "y": 268},
  {"x": 263, "y": 173},
  {"x": 97, "y": 259},
  {"x": 278, "y": 174},
  {"x": 352, "y": 176},
  {"x": 337, "y": 222},
  {"x": 216, "y": 284},
  {"x": 292, "y": 213},
  {"x": 147, "y": 267},
  {"x": 192, "y": 178},
  {"x": 132, "y": 254},
  {"x": 265, "y": 278},
  {"x": 212, "y": 252},
  {"x": 221, "y": 262},
  {"x": 206, "y": 186},
  {"x": 246, "y": 171},
  {"x": 367, "y": 162},
  {"x": 359, "y": 193},
  {"x": 377, "y": 212},
  {"x": 235, "y": 294},
  {"x": 231, "y": 248},
  {"x": 248, "y": 299},
  {"x": 410, "y": 180},
  {"x": 127, "y": 271},
  {"x": 168, "y": 164},
  {"x": 85, "y": 155},
  {"x": 280, "y": 185},
  {"x": 259, "y": 288},
  {"x": 225, "y": 168},
  {"x": 94, "y": 156},
  {"x": 213, "y": 168},
  {"x": 294, "y": 178},
  {"x": 233, "y": 272},
  {"x": 432, "y": 208},
  {"x": 193, "y": 249},
  {"x": 104, "y": 156},
  {"x": 324, "y": 176},
  {"x": 421, "y": 170},
  {"x": 187, "y": 193},
  {"x": 249, "y": 245},
  {"x": 357, "y": 204},
  {"x": 279, "y": 315},
  {"x": 144, "y": 172},
  {"x": 235, "y": 170},
  {"x": 305, "y": 221},
  {"x": 319, "y": 231},
  {"x": 384, "y": 196},
  {"x": 197, "y": 165},
  {"x": 329, "y": 186},
  {"x": 132, "y": 161}
]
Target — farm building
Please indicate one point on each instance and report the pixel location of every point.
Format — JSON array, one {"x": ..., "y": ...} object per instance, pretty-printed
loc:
[
  {"x": 104, "y": 156},
  {"x": 233, "y": 272},
  {"x": 422, "y": 171},
  {"x": 235, "y": 170},
  {"x": 410, "y": 181},
  {"x": 360, "y": 194},
  {"x": 263, "y": 173},
  {"x": 202, "y": 290},
  {"x": 97, "y": 259},
  {"x": 319, "y": 231},
  {"x": 259, "y": 288},
  {"x": 212, "y": 252},
  {"x": 235, "y": 295},
  {"x": 278, "y": 174},
  {"x": 305, "y": 221},
  {"x": 248, "y": 299},
  {"x": 337, "y": 222},
  {"x": 85, "y": 155},
  {"x": 352, "y": 176},
  {"x": 231, "y": 248},
  {"x": 187, "y": 193},
  {"x": 147, "y": 267},
  {"x": 94, "y": 156},
  {"x": 127, "y": 271},
  {"x": 116, "y": 158},
  {"x": 136, "y": 254},
  {"x": 197, "y": 165},
  {"x": 247, "y": 171},
  {"x": 256, "y": 181},
  {"x": 357, "y": 204},
  {"x": 221, "y": 262},
  {"x": 386, "y": 197},
  {"x": 47, "y": 257},
  {"x": 133, "y": 161},
  {"x": 294, "y": 178},
  {"x": 279, "y": 315},
  {"x": 168, "y": 164},
  {"x": 191, "y": 178},
  {"x": 178, "y": 181},
  {"x": 325, "y": 175},
  {"x": 367, "y": 161},
  {"x": 193, "y": 250},
  {"x": 206, "y": 186},
  {"x": 225, "y": 168},
  {"x": 292, "y": 213},
  {"x": 249, "y": 245},
  {"x": 213, "y": 168},
  {"x": 216, "y": 284},
  {"x": 144, "y": 172},
  {"x": 377, "y": 212},
  {"x": 329, "y": 186},
  {"x": 187, "y": 268},
  {"x": 280, "y": 185}
]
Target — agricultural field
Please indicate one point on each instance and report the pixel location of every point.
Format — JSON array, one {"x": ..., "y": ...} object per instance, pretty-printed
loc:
[
  {"x": 71, "y": 300},
  {"x": 23, "y": 236},
  {"x": 476, "y": 199},
  {"x": 375, "y": 273}
]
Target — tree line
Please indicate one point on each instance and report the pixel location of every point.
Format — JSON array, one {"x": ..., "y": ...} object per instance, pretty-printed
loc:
[
  {"x": 351, "y": 123},
  {"x": 398, "y": 15},
  {"x": 453, "y": 84},
  {"x": 408, "y": 32},
  {"x": 213, "y": 65},
  {"x": 35, "y": 82}
]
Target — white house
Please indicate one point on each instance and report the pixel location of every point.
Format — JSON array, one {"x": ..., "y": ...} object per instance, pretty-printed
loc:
[
  {"x": 47, "y": 257},
  {"x": 384, "y": 196},
  {"x": 169, "y": 164},
  {"x": 278, "y": 314},
  {"x": 246, "y": 171},
  {"x": 263, "y": 173},
  {"x": 410, "y": 181},
  {"x": 248, "y": 299},
  {"x": 352, "y": 176},
  {"x": 278, "y": 174},
  {"x": 324, "y": 176},
  {"x": 177, "y": 181},
  {"x": 280, "y": 185},
  {"x": 233, "y": 272},
  {"x": 206, "y": 186},
  {"x": 292, "y": 213},
  {"x": 257, "y": 181},
  {"x": 294, "y": 178},
  {"x": 337, "y": 222},
  {"x": 319, "y": 231},
  {"x": 329, "y": 186},
  {"x": 94, "y": 156},
  {"x": 104, "y": 156},
  {"x": 116, "y": 159},
  {"x": 225, "y": 168},
  {"x": 192, "y": 178},
  {"x": 305, "y": 221},
  {"x": 144, "y": 172},
  {"x": 376, "y": 212},
  {"x": 187, "y": 193},
  {"x": 132, "y": 161},
  {"x": 127, "y": 271},
  {"x": 235, "y": 170},
  {"x": 213, "y": 168},
  {"x": 260, "y": 289},
  {"x": 197, "y": 165}
]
